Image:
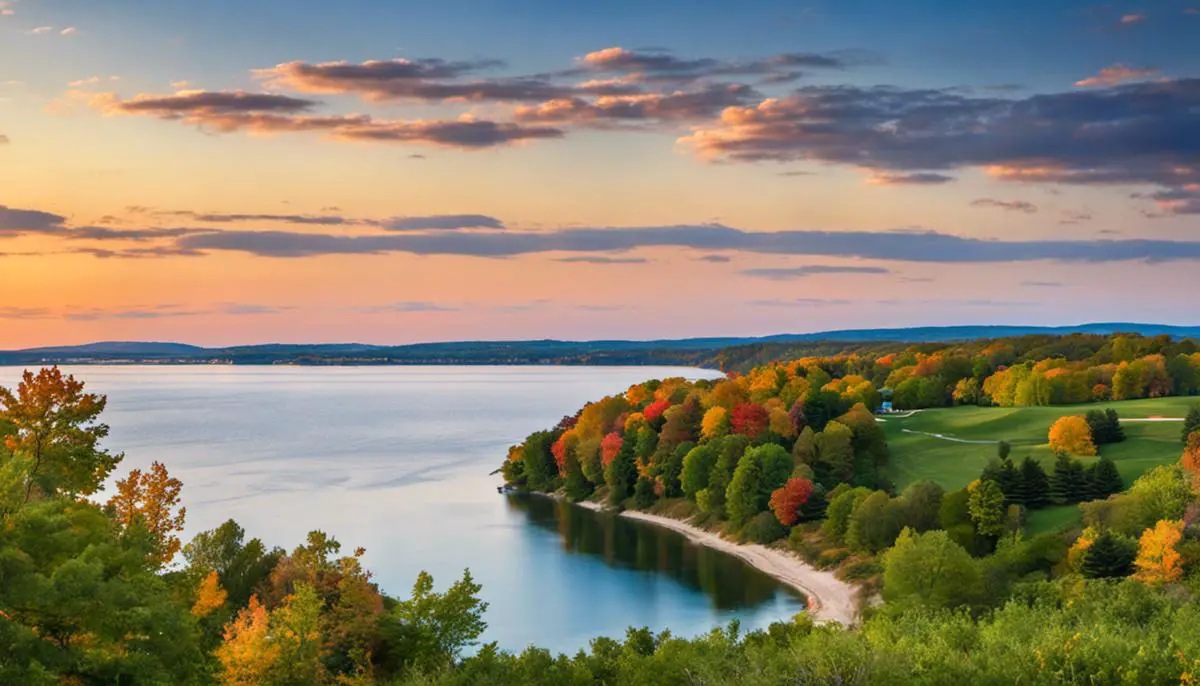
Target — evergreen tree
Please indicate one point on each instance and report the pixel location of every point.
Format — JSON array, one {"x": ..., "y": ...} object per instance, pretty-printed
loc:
[
  {"x": 1105, "y": 479},
  {"x": 1003, "y": 448},
  {"x": 643, "y": 493},
  {"x": 1115, "y": 432},
  {"x": 1110, "y": 556},
  {"x": 1069, "y": 484},
  {"x": 814, "y": 507},
  {"x": 1035, "y": 485},
  {"x": 1191, "y": 422},
  {"x": 1009, "y": 481},
  {"x": 1098, "y": 423}
]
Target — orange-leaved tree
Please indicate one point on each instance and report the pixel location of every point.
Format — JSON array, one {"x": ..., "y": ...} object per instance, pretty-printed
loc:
[
  {"x": 248, "y": 655},
  {"x": 1158, "y": 560},
  {"x": 150, "y": 499},
  {"x": 1071, "y": 435},
  {"x": 210, "y": 596},
  {"x": 1191, "y": 454},
  {"x": 787, "y": 500}
]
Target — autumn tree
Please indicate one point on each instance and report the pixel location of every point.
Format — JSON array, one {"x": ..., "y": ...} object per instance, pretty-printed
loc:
[
  {"x": 715, "y": 423},
  {"x": 248, "y": 656},
  {"x": 749, "y": 419},
  {"x": 1191, "y": 422},
  {"x": 986, "y": 505},
  {"x": 1191, "y": 456},
  {"x": 1070, "y": 435},
  {"x": 210, "y": 596},
  {"x": 241, "y": 565},
  {"x": 150, "y": 501},
  {"x": 1157, "y": 560},
  {"x": 787, "y": 500},
  {"x": 55, "y": 436}
]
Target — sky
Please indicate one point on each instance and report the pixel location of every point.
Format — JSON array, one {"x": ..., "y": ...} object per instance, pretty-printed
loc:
[{"x": 387, "y": 171}]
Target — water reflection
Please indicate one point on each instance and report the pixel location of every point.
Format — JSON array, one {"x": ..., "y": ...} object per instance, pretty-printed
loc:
[{"x": 728, "y": 582}]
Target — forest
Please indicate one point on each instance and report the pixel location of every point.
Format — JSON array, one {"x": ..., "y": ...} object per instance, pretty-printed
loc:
[{"x": 96, "y": 586}]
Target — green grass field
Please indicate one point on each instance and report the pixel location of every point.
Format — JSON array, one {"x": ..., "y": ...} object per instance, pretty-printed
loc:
[{"x": 915, "y": 456}]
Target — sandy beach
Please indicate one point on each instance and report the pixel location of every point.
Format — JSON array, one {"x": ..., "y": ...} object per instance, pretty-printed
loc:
[{"x": 829, "y": 598}]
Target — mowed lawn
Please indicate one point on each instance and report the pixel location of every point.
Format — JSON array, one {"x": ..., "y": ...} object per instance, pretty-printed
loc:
[{"x": 916, "y": 456}]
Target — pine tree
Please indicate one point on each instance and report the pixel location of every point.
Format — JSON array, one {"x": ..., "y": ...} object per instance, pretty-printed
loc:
[
  {"x": 1009, "y": 481},
  {"x": 1191, "y": 422},
  {"x": 1069, "y": 484},
  {"x": 1097, "y": 421},
  {"x": 1105, "y": 479},
  {"x": 1116, "y": 434},
  {"x": 1035, "y": 484},
  {"x": 1110, "y": 556}
]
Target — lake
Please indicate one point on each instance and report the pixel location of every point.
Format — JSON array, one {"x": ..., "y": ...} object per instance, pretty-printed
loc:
[{"x": 398, "y": 460}]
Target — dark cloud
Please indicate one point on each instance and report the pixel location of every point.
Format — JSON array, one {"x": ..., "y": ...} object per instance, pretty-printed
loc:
[
  {"x": 1138, "y": 133},
  {"x": 227, "y": 112},
  {"x": 25, "y": 313},
  {"x": 1042, "y": 284},
  {"x": 102, "y": 233},
  {"x": 703, "y": 103},
  {"x": 600, "y": 259},
  {"x": 719, "y": 259},
  {"x": 442, "y": 222},
  {"x": 313, "y": 219},
  {"x": 1175, "y": 201},
  {"x": 905, "y": 245},
  {"x": 14, "y": 221},
  {"x": 914, "y": 179},
  {"x": 790, "y": 273},
  {"x": 663, "y": 65},
  {"x": 138, "y": 253},
  {"x": 1010, "y": 205}
]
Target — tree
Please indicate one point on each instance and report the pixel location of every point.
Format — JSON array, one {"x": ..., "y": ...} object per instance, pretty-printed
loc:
[
  {"x": 697, "y": 467},
  {"x": 1003, "y": 448},
  {"x": 759, "y": 472},
  {"x": 835, "y": 451},
  {"x": 821, "y": 407},
  {"x": 874, "y": 523},
  {"x": 150, "y": 501},
  {"x": 715, "y": 423},
  {"x": 643, "y": 492},
  {"x": 787, "y": 500},
  {"x": 1191, "y": 422},
  {"x": 986, "y": 504},
  {"x": 804, "y": 451},
  {"x": 541, "y": 470},
  {"x": 930, "y": 570},
  {"x": 210, "y": 597},
  {"x": 434, "y": 628},
  {"x": 248, "y": 656},
  {"x": 1070, "y": 435},
  {"x": 1116, "y": 433},
  {"x": 1105, "y": 478},
  {"x": 1108, "y": 556},
  {"x": 842, "y": 503},
  {"x": 1035, "y": 484},
  {"x": 1105, "y": 426},
  {"x": 1157, "y": 560},
  {"x": 575, "y": 483},
  {"x": 56, "y": 436},
  {"x": 750, "y": 420},
  {"x": 621, "y": 473},
  {"x": 1191, "y": 456},
  {"x": 241, "y": 566},
  {"x": 1069, "y": 484},
  {"x": 921, "y": 502}
]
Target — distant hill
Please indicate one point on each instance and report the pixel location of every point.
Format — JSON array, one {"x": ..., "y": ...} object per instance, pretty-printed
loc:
[{"x": 690, "y": 351}]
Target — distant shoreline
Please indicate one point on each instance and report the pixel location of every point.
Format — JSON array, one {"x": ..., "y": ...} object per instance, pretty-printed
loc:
[{"x": 829, "y": 599}]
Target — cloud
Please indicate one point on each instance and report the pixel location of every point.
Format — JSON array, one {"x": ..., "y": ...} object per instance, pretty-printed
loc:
[
  {"x": 679, "y": 106},
  {"x": 1116, "y": 74},
  {"x": 442, "y": 222},
  {"x": 41, "y": 30},
  {"x": 600, "y": 259},
  {"x": 913, "y": 179},
  {"x": 1137, "y": 133},
  {"x": 15, "y": 221},
  {"x": 1178, "y": 201},
  {"x": 69, "y": 31},
  {"x": 103, "y": 233},
  {"x": 411, "y": 306},
  {"x": 138, "y": 253},
  {"x": 906, "y": 246},
  {"x": 170, "y": 311},
  {"x": 1010, "y": 205},
  {"x": 1071, "y": 217},
  {"x": 1129, "y": 19},
  {"x": 267, "y": 113},
  {"x": 790, "y": 273},
  {"x": 1042, "y": 284},
  {"x": 25, "y": 313},
  {"x": 663, "y": 65},
  {"x": 717, "y": 259},
  {"x": 801, "y": 302}
]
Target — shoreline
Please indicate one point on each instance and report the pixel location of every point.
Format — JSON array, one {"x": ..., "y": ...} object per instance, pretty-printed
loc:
[{"x": 828, "y": 599}]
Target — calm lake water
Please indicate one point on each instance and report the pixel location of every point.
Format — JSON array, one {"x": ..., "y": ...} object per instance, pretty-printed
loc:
[{"x": 397, "y": 460}]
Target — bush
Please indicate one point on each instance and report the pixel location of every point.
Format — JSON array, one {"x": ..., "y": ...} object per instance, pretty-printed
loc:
[
  {"x": 763, "y": 528},
  {"x": 860, "y": 569}
]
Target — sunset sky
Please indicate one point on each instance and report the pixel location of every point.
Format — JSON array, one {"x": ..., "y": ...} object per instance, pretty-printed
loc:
[{"x": 230, "y": 172}]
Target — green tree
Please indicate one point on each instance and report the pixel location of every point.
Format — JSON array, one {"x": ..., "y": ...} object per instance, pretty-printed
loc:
[
  {"x": 1109, "y": 556},
  {"x": 241, "y": 565},
  {"x": 921, "y": 502},
  {"x": 821, "y": 407},
  {"x": 54, "y": 436},
  {"x": 541, "y": 471},
  {"x": 643, "y": 493},
  {"x": 1069, "y": 483},
  {"x": 430, "y": 630},
  {"x": 930, "y": 570},
  {"x": 805, "y": 449},
  {"x": 843, "y": 501},
  {"x": 1035, "y": 484},
  {"x": 621, "y": 474},
  {"x": 835, "y": 451},
  {"x": 986, "y": 505},
  {"x": 1191, "y": 422},
  {"x": 742, "y": 495},
  {"x": 697, "y": 468},
  {"x": 874, "y": 523},
  {"x": 575, "y": 483},
  {"x": 1105, "y": 479}
]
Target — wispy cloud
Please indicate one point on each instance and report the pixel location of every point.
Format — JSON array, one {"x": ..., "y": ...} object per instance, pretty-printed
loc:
[
  {"x": 1116, "y": 74},
  {"x": 1130, "y": 19},
  {"x": 600, "y": 259},
  {"x": 790, "y": 273},
  {"x": 913, "y": 179},
  {"x": 1010, "y": 205}
]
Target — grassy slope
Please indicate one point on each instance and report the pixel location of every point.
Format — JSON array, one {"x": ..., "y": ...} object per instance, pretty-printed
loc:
[{"x": 953, "y": 465}]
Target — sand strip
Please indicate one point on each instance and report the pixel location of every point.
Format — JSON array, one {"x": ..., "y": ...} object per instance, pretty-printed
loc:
[{"x": 829, "y": 598}]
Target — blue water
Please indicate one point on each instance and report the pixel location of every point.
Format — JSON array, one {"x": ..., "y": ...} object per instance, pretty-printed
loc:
[{"x": 397, "y": 460}]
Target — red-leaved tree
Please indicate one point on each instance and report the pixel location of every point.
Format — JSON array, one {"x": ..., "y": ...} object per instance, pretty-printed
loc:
[
  {"x": 749, "y": 419},
  {"x": 787, "y": 500},
  {"x": 609, "y": 447}
]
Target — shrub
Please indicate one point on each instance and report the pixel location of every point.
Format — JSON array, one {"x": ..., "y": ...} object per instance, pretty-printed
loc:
[{"x": 764, "y": 528}]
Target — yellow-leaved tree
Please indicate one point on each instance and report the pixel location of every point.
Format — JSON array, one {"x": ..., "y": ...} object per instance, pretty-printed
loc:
[
  {"x": 248, "y": 655},
  {"x": 150, "y": 499},
  {"x": 1158, "y": 560},
  {"x": 1071, "y": 435},
  {"x": 210, "y": 596}
]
